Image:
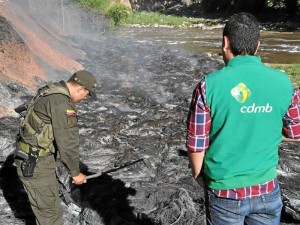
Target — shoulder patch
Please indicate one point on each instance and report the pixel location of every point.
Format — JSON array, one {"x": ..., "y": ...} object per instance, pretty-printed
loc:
[
  {"x": 71, "y": 112},
  {"x": 71, "y": 117},
  {"x": 72, "y": 121}
]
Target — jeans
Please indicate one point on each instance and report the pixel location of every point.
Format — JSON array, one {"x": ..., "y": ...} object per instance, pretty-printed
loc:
[{"x": 262, "y": 210}]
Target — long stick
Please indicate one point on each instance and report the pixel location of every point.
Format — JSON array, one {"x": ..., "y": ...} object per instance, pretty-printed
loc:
[{"x": 114, "y": 169}]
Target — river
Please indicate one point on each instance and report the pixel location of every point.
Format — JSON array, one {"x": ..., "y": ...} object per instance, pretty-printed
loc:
[{"x": 277, "y": 47}]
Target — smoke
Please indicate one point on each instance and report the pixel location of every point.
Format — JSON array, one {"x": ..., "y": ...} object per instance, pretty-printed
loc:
[
  {"x": 48, "y": 29},
  {"x": 65, "y": 17}
]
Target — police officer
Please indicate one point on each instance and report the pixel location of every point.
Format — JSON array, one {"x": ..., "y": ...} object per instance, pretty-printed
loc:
[{"x": 50, "y": 125}]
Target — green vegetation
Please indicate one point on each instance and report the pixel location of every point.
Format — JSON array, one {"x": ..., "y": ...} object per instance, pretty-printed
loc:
[
  {"x": 293, "y": 70},
  {"x": 96, "y": 5},
  {"x": 156, "y": 18},
  {"x": 120, "y": 15},
  {"x": 113, "y": 9},
  {"x": 116, "y": 12},
  {"x": 272, "y": 3}
]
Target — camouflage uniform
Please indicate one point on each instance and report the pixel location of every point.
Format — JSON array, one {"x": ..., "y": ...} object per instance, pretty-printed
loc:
[{"x": 58, "y": 113}]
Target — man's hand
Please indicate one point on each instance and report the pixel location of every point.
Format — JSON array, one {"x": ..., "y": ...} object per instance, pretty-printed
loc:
[
  {"x": 289, "y": 139},
  {"x": 79, "y": 179}
]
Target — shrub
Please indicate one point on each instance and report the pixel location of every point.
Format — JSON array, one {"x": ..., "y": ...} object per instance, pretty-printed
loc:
[{"x": 118, "y": 13}]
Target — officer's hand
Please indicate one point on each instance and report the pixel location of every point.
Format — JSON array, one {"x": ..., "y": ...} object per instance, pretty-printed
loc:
[{"x": 79, "y": 179}]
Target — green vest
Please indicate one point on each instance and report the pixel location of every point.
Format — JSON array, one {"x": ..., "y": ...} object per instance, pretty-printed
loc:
[
  {"x": 41, "y": 140},
  {"x": 247, "y": 102}
]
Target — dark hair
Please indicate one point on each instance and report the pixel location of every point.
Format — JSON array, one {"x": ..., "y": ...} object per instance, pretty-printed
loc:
[{"x": 242, "y": 29}]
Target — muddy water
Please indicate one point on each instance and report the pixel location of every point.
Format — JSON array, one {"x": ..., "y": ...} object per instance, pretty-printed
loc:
[{"x": 276, "y": 47}]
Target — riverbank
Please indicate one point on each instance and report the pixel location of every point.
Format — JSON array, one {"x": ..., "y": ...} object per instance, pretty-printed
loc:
[
  {"x": 185, "y": 14},
  {"x": 123, "y": 15}
]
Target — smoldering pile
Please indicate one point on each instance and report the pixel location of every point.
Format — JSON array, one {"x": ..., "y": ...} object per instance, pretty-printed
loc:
[{"x": 124, "y": 126}]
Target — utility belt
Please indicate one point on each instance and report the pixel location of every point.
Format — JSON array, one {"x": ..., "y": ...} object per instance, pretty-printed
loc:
[
  {"x": 27, "y": 149},
  {"x": 29, "y": 156}
]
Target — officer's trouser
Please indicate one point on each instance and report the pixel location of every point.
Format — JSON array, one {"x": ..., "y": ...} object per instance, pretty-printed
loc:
[{"x": 42, "y": 190}]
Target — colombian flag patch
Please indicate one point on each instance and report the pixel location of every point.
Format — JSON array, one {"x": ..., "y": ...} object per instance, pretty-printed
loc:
[{"x": 71, "y": 112}]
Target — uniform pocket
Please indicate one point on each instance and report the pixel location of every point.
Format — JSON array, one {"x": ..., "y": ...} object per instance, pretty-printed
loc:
[{"x": 45, "y": 138}]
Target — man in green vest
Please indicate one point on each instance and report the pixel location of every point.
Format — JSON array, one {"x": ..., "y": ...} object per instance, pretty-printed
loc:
[
  {"x": 50, "y": 127},
  {"x": 235, "y": 124}
]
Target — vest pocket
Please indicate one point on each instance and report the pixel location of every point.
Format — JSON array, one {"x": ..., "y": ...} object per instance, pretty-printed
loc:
[{"x": 45, "y": 138}]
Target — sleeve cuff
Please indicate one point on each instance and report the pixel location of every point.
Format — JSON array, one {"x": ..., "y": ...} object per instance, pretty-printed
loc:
[{"x": 74, "y": 173}]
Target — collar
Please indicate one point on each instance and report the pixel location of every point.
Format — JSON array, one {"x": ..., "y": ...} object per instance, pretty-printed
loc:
[
  {"x": 64, "y": 84},
  {"x": 244, "y": 59}
]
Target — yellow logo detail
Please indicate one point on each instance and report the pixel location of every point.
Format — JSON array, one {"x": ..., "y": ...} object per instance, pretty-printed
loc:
[
  {"x": 240, "y": 92},
  {"x": 71, "y": 111}
]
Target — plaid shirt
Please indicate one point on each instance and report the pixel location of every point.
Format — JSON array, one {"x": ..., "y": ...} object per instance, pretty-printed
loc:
[{"x": 199, "y": 122}]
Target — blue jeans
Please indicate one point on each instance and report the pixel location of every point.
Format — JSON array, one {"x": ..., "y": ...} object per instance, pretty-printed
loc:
[{"x": 262, "y": 210}]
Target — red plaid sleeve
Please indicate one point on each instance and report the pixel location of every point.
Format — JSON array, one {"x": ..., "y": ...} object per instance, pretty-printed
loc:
[
  {"x": 199, "y": 121},
  {"x": 291, "y": 121}
]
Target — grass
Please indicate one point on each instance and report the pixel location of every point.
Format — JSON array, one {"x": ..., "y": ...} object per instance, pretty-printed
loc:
[
  {"x": 96, "y": 5},
  {"x": 293, "y": 70},
  {"x": 122, "y": 15},
  {"x": 156, "y": 18}
]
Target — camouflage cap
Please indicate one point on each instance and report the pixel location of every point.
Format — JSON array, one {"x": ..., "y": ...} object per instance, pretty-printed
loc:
[{"x": 87, "y": 80}]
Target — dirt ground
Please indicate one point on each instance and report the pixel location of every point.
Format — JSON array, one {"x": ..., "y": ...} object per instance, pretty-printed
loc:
[
  {"x": 25, "y": 56},
  {"x": 23, "y": 52}
]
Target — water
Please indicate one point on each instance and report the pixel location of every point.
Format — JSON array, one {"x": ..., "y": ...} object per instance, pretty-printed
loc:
[
  {"x": 276, "y": 47},
  {"x": 280, "y": 47}
]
